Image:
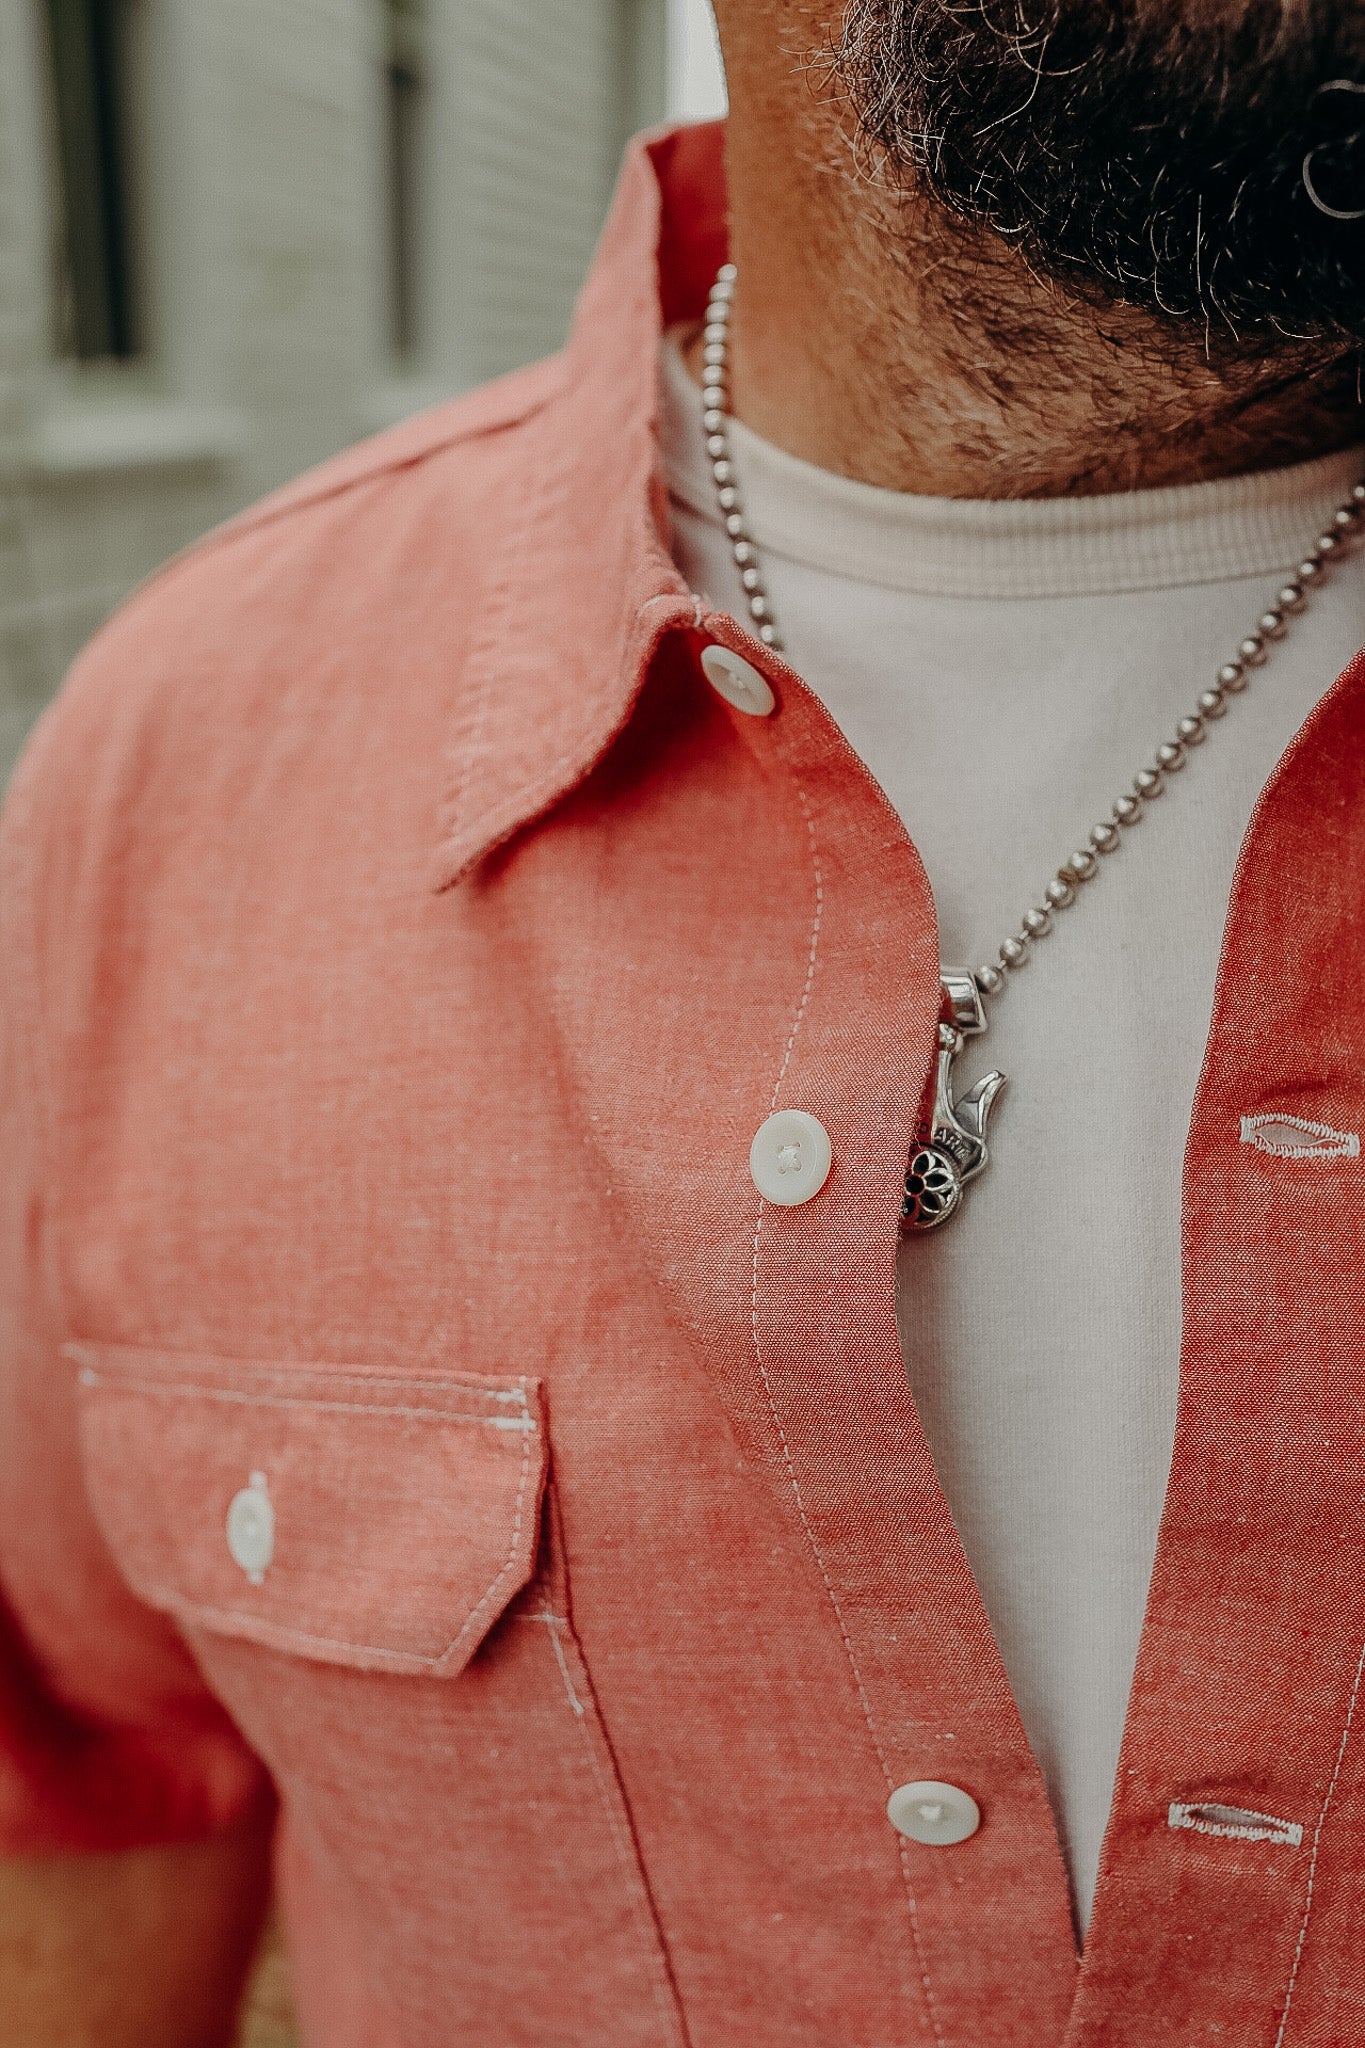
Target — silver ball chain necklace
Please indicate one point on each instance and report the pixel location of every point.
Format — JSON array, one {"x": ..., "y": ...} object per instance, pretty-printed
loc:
[{"x": 949, "y": 1147}]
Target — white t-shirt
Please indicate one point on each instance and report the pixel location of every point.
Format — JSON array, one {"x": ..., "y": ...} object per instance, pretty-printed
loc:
[{"x": 1004, "y": 669}]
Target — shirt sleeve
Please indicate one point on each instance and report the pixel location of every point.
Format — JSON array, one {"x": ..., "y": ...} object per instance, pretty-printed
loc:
[{"x": 109, "y": 1738}]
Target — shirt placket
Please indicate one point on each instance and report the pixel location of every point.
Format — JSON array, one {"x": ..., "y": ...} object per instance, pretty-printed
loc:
[
  {"x": 1232, "y": 1887},
  {"x": 988, "y": 1945}
]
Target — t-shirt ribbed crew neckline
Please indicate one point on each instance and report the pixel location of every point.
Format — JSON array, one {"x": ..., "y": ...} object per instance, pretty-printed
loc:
[{"x": 1255, "y": 525}]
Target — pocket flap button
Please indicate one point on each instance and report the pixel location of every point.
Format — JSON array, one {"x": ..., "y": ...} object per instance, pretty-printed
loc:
[{"x": 251, "y": 1528}]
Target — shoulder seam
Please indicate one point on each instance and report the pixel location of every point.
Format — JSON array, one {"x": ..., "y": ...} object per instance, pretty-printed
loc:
[
  {"x": 253, "y": 518},
  {"x": 263, "y": 515}
]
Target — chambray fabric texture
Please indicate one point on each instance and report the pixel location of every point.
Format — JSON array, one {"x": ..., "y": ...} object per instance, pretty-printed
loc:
[{"x": 402, "y": 944}]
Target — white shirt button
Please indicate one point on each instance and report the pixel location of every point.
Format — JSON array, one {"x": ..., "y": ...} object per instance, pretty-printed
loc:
[
  {"x": 933, "y": 1813},
  {"x": 790, "y": 1157},
  {"x": 251, "y": 1528},
  {"x": 737, "y": 681}
]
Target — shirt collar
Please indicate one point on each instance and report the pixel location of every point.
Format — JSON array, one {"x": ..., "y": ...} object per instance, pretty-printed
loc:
[{"x": 539, "y": 705}]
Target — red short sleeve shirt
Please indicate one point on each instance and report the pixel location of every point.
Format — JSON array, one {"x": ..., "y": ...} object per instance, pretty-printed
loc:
[{"x": 410, "y": 1408}]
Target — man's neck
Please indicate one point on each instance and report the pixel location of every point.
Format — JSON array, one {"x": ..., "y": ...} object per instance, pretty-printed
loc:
[{"x": 875, "y": 340}]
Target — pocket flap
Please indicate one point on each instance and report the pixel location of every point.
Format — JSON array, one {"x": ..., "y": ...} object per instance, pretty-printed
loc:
[{"x": 346, "y": 1516}]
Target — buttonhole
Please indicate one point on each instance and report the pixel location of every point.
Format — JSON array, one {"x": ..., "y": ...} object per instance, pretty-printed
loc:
[
  {"x": 1297, "y": 1137},
  {"x": 1236, "y": 1823}
]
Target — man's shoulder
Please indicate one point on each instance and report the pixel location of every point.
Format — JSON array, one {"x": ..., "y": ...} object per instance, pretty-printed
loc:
[
  {"x": 332, "y": 599},
  {"x": 285, "y": 592},
  {"x": 456, "y": 457},
  {"x": 462, "y": 450},
  {"x": 480, "y": 424}
]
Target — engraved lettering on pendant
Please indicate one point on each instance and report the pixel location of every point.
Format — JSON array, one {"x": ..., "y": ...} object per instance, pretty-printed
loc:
[{"x": 950, "y": 1146}]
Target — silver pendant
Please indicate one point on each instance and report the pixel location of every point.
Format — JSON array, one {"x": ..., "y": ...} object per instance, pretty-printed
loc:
[{"x": 950, "y": 1148}]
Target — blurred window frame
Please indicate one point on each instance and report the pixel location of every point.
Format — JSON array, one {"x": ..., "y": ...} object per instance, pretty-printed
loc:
[
  {"x": 405, "y": 93},
  {"x": 97, "y": 298}
]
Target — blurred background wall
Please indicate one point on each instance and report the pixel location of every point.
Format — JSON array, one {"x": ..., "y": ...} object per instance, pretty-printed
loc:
[{"x": 238, "y": 234}]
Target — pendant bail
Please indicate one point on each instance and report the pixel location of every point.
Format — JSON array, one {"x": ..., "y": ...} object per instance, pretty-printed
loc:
[{"x": 962, "y": 1008}]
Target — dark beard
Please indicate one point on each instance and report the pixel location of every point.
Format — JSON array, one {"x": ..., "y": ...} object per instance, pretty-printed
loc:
[{"x": 1149, "y": 152}]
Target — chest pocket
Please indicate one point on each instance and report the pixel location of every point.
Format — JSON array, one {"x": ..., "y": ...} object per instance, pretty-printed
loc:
[{"x": 350, "y": 1517}]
